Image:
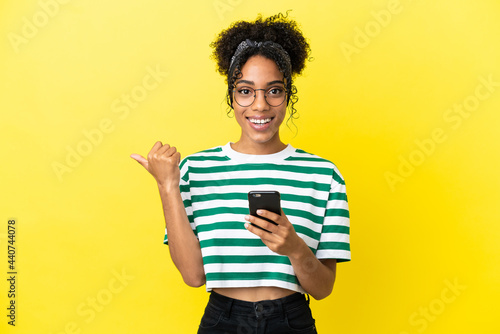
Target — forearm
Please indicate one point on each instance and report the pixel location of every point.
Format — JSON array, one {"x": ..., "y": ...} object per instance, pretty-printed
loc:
[
  {"x": 316, "y": 278},
  {"x": 184, "y": 247}
]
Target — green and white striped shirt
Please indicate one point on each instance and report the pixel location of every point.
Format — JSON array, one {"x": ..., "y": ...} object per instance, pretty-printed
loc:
[{"x": 214, "y": 186}]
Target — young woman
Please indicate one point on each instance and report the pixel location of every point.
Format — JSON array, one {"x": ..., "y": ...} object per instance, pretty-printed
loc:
[{"x": 258, "y": 277}]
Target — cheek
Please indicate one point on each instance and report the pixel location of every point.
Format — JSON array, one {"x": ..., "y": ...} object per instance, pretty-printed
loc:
[
  {"x": 282, "y": 115},
  {"x": 238, "y": 114}
]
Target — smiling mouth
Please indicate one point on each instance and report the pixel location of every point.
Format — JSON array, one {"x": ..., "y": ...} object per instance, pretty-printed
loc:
[{"x": 260, "y": 121}]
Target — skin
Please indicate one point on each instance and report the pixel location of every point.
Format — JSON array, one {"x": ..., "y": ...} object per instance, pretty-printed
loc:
[
  {"x": 317, "y": 277},
  {"x": 259, "y": 73}
]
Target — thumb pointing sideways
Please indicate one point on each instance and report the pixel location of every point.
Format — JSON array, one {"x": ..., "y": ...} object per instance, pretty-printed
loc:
[{"x": 140, "y": 159}]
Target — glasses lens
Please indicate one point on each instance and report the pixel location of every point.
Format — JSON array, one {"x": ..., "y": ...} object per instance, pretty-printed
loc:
[
  {"x": 246, "y": 96},
  {"x": 275, "y": 96}
]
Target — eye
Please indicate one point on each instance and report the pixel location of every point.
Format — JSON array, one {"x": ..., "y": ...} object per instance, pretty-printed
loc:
[
  {"x": 275, "y": 91},
  {"x": 244, "y": 91}
]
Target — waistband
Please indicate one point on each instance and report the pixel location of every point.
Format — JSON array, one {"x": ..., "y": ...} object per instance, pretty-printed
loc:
[{"x": 261, "y": 308}]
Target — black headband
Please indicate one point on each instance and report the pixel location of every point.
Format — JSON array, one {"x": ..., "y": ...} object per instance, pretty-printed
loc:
[{"x": 253, "y": 44}]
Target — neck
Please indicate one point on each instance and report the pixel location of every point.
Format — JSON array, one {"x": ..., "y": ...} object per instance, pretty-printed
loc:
[{"x": 258, "y": 148}]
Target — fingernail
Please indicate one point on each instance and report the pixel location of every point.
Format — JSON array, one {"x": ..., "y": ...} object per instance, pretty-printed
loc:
[
  {"x": 259, "y": 212},
  {"x": 246, "y": 225},
  {"x": 247, "y": 218}
]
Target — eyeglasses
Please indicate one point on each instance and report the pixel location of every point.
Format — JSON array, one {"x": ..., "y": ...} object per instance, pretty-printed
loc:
[{"x": 245, "y": 96}]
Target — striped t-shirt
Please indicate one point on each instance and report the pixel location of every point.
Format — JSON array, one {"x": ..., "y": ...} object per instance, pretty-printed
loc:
[{"x": 214, "y": 186}]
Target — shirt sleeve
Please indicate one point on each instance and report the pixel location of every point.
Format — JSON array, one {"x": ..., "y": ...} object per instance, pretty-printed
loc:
[
  {"x": 185, "y": 195},
  {"x": 334, "y": 242}
]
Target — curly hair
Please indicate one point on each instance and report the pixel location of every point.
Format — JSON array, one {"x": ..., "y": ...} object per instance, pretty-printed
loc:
[{"x": 278, "y": 29}]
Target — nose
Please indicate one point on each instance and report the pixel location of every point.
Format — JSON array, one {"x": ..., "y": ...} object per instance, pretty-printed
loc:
[{"x": 260, "y": 102}]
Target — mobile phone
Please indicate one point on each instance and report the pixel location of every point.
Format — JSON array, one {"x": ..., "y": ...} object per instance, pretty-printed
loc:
[{"x": 267, "y": 200}]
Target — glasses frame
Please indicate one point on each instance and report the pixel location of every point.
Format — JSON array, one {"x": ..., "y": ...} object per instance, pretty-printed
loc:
[{"x": 255, "y": 96}]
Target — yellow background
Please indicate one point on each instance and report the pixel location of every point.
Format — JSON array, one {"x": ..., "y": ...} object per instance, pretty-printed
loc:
[{"x": 422, "y": 180}]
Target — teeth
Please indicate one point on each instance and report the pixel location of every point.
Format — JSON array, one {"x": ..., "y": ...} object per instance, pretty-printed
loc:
[{"x": 260, "y": 121}]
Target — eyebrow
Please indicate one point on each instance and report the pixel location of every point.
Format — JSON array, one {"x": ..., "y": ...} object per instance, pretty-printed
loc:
[{"x": 248, "y": 82}]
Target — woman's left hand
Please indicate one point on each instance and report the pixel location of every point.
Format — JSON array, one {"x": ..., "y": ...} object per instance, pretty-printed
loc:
[{"x": 281, "y": 238}]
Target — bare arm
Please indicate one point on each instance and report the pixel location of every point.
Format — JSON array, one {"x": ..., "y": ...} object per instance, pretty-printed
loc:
[
  {"x": 316, "y": 277},
  {"x": 163, "y": 164},
  {"x": 184, "y": 246}
]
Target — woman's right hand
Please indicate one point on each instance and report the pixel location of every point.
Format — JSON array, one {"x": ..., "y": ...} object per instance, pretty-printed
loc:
[{"x": 163, "y": 163}]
